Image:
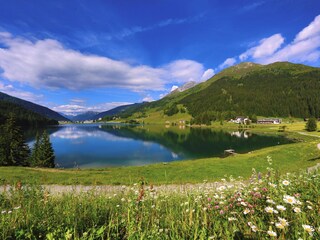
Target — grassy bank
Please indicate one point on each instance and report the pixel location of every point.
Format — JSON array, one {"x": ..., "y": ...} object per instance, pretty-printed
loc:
[{"x": 284, "y": 207}]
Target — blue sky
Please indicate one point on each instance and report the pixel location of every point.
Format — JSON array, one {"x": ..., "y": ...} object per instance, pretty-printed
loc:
[{"x": 80, "y": 55}]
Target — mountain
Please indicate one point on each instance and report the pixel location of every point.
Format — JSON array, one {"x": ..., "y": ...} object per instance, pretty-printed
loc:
[
  {"x": 90, "y": 115},
  {"x": 23, "y": 117},
  {"x": 280, "y": 89},
  {"x": 184, "y": 87},
  {"x": 43, "y": 111},
  {"x": 119, "y": 110}
]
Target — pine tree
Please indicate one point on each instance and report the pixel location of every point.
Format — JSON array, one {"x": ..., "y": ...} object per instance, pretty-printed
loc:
[
  {"x": 311, "y": 125},
  {"x": 35, "y": 154},
  {"x": 14, "y": 150},
  {"x": 46, "y": 153}
]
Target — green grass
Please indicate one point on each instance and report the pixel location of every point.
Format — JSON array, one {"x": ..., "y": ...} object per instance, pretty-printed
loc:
[
  {"x": 231, "y": 211},
  {"x": 287, "y": 158}
]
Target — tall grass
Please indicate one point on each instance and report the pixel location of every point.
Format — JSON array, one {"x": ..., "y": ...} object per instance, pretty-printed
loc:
[{"x": 264, "y": 207}]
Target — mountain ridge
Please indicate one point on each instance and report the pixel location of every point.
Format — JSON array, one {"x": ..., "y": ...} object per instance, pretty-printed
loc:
[{"x": 41, "y": 110}]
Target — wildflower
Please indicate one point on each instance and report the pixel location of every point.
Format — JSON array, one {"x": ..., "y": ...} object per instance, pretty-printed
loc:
[
  {"x": 281, "y": 208},
  {"x": 246, "y": 211},
  {"x": 9, "y": 212},
  {"x": 309, "y": 229},
  {"x": 279, "y": 225},
  {"x": 118, "y": 206},
  {"x": 3, "y": 212},
  {"x": 243, "y": 204},
  {"x": 270, "y": 201},
  {"x": 123, "y": 199},
  {"x": 297, "y": 210},
  {"x": 205, "y": 209},
  {"x": 230, "y": 219},
  {"x": 272, "y": 185},
  {"x": 289, "y": 199},
  {"x": 16, "y": 208},
  {"x": 269, "y": 209},
  {"x": 272, "y": 233},
  {"x": 285, "y": 182},
  {"x": 309, "y": 207},
  {"x": 283, "y": 222},
  {"x": 309, "y": 202},
  {"x": 254, "y": 228}
]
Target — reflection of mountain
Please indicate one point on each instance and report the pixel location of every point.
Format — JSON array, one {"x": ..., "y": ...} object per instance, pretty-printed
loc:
[{"x": 196, "y": 142}]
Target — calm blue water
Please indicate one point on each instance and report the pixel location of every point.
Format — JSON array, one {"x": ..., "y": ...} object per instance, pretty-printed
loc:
[{"x": 95, "y": 145}]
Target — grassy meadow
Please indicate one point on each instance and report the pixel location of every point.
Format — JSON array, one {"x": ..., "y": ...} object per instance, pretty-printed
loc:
[{"x": 269, "y": 206}]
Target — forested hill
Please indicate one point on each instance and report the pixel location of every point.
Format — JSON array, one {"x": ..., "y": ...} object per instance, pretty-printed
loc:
[
  {"x": 280, "y": 89},
  {"x": 43, "y": 111},
  {"x": 23, "y": 117}
]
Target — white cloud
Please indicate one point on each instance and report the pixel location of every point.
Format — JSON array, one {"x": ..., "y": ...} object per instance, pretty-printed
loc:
[
  {"x": 47, "y": 63},
  {"x": 305, "y": 48},
  {"x": 164, "y": 23},
  {"x": 182, "y": 71},
  {"x": 266, "y": 47},
  {"x": 227, "y": 63},
  {"x": 312, "y": 30},
  {"x": 174, "y": 87},
  {"x": 148, "y": 99},
  {"x": 25, "y": 95},
  {"x": 75, "y": 109},
  {"x": 207, "y": 74}
]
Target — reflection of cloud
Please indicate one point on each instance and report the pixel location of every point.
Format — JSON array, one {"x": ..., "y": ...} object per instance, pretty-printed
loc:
[
  {"x": 74, "y": 132},
  {"x": 147, "y": 144},
  {"x": 174, "y": 155}
]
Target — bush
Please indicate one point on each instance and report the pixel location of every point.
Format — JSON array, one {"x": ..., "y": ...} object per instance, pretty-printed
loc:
[{"x": 311, "y": 125}]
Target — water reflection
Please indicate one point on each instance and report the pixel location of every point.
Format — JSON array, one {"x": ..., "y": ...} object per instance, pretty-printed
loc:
[{"x": 97, "y": 145}]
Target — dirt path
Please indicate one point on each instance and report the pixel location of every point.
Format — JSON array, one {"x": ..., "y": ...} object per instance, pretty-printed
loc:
[
  {"x": 110, "y": 189},
  {"x": 308, "y": 134}
]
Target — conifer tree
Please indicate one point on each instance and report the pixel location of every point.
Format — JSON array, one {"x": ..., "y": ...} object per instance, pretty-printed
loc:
[
  {"x": 46, "y": 153},
  {"x": 35, "y": 154},
  {"x": 14, "y": 150},
  {"x": 311, "y": 125}
]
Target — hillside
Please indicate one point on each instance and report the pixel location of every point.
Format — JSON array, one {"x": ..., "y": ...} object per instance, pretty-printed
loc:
[
  {"x": 43, "y": 111},
  {"x": 24, "y": 117},
  {"x": 124, "y": 109},
  {"x": 280, "y": 89},
  {"x": 84, "y": 116}
]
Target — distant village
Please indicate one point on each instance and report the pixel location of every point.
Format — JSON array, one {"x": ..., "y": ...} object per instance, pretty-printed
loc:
[{"x": 247, "y": 121}]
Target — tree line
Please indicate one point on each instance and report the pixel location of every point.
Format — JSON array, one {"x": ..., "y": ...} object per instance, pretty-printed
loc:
[{"x": 14, "y": 151}]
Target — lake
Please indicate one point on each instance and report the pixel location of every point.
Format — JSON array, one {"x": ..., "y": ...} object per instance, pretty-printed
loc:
[{"x": 103, "y": 145}]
